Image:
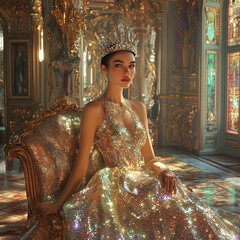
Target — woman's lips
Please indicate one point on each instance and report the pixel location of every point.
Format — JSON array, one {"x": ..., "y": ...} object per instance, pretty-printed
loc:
[{"x": 126, "y": 80}]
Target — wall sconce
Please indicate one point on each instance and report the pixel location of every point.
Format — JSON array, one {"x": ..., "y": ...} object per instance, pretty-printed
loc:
[{"x": 41, "y": 48}]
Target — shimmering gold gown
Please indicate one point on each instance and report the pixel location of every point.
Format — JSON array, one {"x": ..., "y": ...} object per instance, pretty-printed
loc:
[{"x": 125, "y": 201}]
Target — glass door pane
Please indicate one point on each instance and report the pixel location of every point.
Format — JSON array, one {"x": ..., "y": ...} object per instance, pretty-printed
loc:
[
  {"x": 211, "y": 103},
  {"x": 233, "y": 93}
]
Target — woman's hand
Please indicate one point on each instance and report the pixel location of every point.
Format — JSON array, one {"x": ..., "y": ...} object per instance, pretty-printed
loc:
[
  {"x": 48, "y": 208},
  {"x": 44, "y": 209},
  {"x": 168, "y": 181}
]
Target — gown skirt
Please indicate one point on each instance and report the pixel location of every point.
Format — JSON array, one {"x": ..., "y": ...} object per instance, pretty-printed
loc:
[
  {"x": 125, "y": 200},
  {"x": 126, "y": 204}
]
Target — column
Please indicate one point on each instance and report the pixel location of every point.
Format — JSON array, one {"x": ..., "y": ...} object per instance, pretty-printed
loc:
[
  {"x": 158, "y": 57},
  {"x": 140, "y": 64}
]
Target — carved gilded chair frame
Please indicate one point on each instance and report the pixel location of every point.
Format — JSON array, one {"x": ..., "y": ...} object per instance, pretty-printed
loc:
[{"x": 18, "y": 149}]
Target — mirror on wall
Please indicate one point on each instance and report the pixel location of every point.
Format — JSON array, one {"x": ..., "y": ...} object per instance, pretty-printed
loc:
[{"x": 2, "y": 89}]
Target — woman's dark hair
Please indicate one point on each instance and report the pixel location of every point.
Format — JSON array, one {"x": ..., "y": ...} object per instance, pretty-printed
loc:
[{"x": 105, "y": 60}]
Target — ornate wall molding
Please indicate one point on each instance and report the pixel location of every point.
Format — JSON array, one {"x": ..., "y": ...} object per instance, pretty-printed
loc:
[
  {"x": 17, "y": 15},
  {"x": 178, "y": 97},
  {"x": 19, "y": 118},
  {"x": 70, "y": 22},
  {"x": 182, "y": 125},
  {"x": 141, "y": 12},
  {"x": 65, "y": 23},
  {"x": 37, "y": 15}
]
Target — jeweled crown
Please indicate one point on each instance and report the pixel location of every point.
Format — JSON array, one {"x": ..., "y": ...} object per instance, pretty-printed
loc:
[{"x": 120, "y": 39}]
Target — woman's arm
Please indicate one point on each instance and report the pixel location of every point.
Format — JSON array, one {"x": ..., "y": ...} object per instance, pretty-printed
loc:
[
  {"x": 91, "y": 119},
  {"x": 165, "y": 175}
]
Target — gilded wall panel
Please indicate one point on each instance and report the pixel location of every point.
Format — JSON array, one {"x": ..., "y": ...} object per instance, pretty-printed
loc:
[
  {"x": 182, "y": 125},
  {"x": 178, "y": 117}
]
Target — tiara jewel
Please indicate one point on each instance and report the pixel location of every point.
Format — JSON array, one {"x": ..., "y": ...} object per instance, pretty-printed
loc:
[{"x": 120, "y": 39}]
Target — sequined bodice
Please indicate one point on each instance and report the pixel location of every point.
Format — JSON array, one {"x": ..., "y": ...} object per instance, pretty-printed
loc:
[{"x": 118, "y": 146}]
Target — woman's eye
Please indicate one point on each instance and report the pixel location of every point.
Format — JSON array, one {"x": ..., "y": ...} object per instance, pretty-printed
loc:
[
  {"x": 132, "y": 66},
  {"x": 118, "y": 65}
]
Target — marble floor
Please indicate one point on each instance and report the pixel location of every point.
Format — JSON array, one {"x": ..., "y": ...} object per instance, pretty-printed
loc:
[{"x": 215, "y": 178}]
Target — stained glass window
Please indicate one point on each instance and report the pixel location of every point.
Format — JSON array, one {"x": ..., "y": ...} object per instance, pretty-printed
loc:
[
  {"x": 212, "y": 26},
  {"x": 211, "y": 113},
  {"x": 234, "y": 22},
  {"x": 233, "y": 93}
]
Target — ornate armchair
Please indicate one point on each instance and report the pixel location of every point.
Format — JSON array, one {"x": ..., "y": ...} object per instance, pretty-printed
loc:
[{"x": 47, "y": 149}]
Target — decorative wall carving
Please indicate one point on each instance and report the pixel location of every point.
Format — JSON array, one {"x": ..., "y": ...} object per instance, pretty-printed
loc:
[
  {"x": 65, "y": 24},
  {"x": 182, "y": 125},
  {"x": 19, "y": 118},
  {"x": 141, "y": 12},
  {"x": 70, "y": 21},
  {"x": 37, "y": 14},
  {"x": 17, "y": 14}
]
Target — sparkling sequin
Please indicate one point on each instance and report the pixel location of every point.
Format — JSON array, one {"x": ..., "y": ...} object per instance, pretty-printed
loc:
[
  {"x": 120, "y": 199},
  {"x": 124, "y": 201}
]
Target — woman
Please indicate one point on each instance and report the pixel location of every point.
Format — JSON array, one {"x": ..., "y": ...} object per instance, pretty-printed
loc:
[{"x": 126, "y": 200}]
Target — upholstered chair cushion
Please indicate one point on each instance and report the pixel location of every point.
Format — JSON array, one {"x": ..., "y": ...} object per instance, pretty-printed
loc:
[{"x": 53, "y": 148}]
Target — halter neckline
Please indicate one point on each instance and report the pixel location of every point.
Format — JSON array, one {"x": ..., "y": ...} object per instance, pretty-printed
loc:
[{"x": 109, "y": 100}]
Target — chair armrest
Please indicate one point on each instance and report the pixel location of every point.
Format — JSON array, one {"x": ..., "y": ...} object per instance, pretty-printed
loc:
[{"x": 19, "y": 151}]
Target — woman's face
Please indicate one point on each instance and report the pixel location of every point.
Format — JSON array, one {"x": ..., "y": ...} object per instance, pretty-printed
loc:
[{"x": 121, "y": 69}]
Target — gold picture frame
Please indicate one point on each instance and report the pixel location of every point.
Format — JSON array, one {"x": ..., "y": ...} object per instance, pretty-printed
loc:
[{"x": 20, "y": 65}]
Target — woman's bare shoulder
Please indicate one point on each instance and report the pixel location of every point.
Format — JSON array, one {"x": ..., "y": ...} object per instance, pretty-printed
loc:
[
  {"x": 94, "y": 108},
  {"x": 94, "y": 105}
]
